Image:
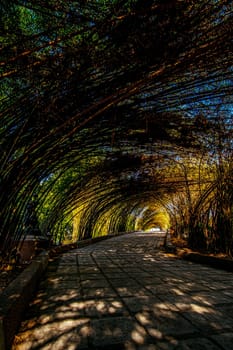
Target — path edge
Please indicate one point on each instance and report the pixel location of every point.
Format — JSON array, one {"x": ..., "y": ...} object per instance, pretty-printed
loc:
[
  {"x": 211, "y": 261},
  {"x": 16, "y": 297}
]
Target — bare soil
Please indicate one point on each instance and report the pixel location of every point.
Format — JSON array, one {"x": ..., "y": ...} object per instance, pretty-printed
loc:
[
  {"x": 8, "y": 274},
  {"x": 182, "y": 245}
]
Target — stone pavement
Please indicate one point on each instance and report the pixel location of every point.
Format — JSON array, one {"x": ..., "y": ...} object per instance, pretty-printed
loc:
[{"x": 125, "y": 293}]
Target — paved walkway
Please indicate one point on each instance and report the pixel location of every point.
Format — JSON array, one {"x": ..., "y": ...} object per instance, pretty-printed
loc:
[{"x": 123, "y": 293}]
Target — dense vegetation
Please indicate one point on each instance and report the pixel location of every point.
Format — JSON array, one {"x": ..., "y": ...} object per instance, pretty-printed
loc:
[{"x": 116, "y": 115}]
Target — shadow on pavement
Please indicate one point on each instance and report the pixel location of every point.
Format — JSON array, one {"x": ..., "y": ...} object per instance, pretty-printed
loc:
[{"x": 126, "y": 294}]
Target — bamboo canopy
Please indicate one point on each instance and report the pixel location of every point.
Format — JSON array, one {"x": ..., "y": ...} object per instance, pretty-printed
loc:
[{"x": 106, "y": 95}]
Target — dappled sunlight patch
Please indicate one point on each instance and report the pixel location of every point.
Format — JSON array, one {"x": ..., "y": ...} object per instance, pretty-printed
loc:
[
  {"x": 143, "y": 317},
  {"x": 163, "y": 306},
  {"x": 59, "y": 316},
  {"x": 29, "y": 324},
  {"x": 200, "y": 309},
  {"x": 98, "y": 293},
  {"x": 69, "y": 341},
  {"x": 69, "y": 294},
  {"x": 138, "y": 335},
  {"x": 176, "y": 291},
  {"x": 173, "y": 279},
  {"x": 209, "y": 298},
  {"x": 105, "y": 307},
  {"x": 129, "y": 291},
  {"x": 61, "y": 333},
  {"x": 114, "y": 305},
  {"x": 155, "y": 333},
  {"x": 165, "y": 322},
  {"x": 148, "y": 257},
  {"x": 22, "y": 342},
  {"x": 115, "y": 330}
]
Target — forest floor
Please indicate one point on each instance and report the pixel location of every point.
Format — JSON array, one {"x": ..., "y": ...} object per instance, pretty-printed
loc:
[
  {"x": 8, "y": 274},
  {"x": 182, "y": 246}
]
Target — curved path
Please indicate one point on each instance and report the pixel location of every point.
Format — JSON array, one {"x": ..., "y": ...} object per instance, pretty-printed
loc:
[{"x": 125, "y": 293}]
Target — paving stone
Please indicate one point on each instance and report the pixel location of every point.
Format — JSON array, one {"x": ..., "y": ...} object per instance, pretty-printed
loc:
[
  {"x": 145, "y": 303},
  {"x": 207, "y": 325},
  {"x": 85, "y": 262},
  {"x": 91, "y": 276},
  {"x": 219, "y": 320},
  {"x": 180, "y": 302},
  {"x": 89, "y": 283},
  {"x": 65, "y": 270},
  {"x": 149, "y": 347},
  {"x": 220, "y": 286},
  {"x": 68, "y": 260},
  {"x": 50, "y": 278},
  {"x": 188, "y": 344},
  {"x": 211, "y": 298},
  {"x": 125, "y": 294},
  {"x": 98, "y": 293},
  {"x": 115, "y": 269},
  {"x": 225, "y": 340},
  {"x": 160, "y": 323},
  {"x": 192, "y": 287},
  {"x": 118, "y": 275},
  {"x": 130, "y": 269},
  {"x": 129, "y": 291},
  {"x": 62, "y": 295},
  {"x": 151, "y": 280},
  {"x": 61, "y": 284},
  {"x": 117, "y": 330},
  {"x": 124, "y": 282},
  {"x": 46, "y": 335},
  {"x": 139, "y": 275},
  {"x": 70, "y": 341},
  {"x": 228, "y": 293},
  {"x": 225, "y": 310},
  {"x": 89, "y": 269},
  {"x": 104, "y": 307},
  {"x": 158, "y": 289},
  {"x": 62, "y": 310}
]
